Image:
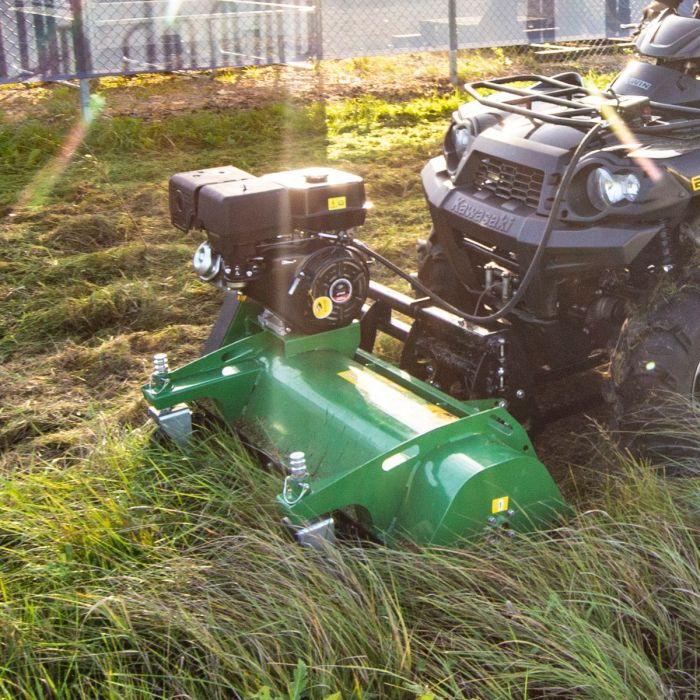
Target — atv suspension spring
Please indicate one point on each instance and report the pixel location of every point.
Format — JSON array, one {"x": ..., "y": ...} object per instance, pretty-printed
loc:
[{"x": 666, "y": 248}]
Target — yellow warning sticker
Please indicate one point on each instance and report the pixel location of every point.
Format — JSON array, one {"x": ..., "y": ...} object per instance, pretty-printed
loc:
[
  {"x": 499, "y": 505},
  {"x": 322, "y": 307},
  {"x": 337, "y": 203},
  {"x": 695, "y": 182},
  {"x": 395, "y": 401}
]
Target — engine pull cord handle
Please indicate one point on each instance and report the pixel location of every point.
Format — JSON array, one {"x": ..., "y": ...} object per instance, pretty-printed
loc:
[
  {"x": 341, "y": 238},
  {"x": 536, "y": 258},
  {"x": 295, "y": 283}
]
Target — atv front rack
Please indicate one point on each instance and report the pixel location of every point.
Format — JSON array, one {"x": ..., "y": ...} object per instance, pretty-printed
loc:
[{"x": 579, "y": 106}]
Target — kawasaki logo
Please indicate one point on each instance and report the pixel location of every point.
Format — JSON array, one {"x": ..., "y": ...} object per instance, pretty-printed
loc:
[{"x": 486, "y": 217}]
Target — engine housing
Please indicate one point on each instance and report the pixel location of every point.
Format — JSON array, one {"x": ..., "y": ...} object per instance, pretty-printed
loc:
[{"x": 282, "y": 238}]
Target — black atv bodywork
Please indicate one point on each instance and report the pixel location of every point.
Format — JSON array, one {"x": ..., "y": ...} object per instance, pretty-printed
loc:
[{"x": 491, "y": 197}]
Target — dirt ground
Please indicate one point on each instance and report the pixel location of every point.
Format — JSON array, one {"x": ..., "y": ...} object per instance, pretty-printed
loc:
[{"x": 399, "y": 77}]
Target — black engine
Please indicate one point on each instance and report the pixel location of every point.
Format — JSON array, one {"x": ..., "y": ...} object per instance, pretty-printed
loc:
[{"x": 282, "y": 238}]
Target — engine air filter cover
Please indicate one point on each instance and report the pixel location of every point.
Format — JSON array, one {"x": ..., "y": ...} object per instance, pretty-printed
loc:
[
  {"x": 185, "y": 188},
  {"x": 243, "y": 212}
]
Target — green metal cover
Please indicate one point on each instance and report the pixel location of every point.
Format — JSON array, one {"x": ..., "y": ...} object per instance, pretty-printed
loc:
[{"x": 412, "y": 461}]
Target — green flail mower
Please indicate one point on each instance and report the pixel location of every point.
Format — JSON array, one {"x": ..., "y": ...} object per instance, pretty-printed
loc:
[{"x": 289, "y": 366}]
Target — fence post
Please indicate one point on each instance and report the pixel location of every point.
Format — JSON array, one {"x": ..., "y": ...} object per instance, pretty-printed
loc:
[
  {"x": 316, "y": 28},
  {"x": 452, "y": 23},
  {"x": 22, "y": 37},
  {"x": 3, "y": 61},
  {"x": 81, "y": 47}
]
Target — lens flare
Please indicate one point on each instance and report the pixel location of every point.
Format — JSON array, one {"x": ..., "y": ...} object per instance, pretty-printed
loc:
[
  {"x": 625, "y": 136},
  {"x": 172, "y": 10},
  {"x": 36, "y": 192}
]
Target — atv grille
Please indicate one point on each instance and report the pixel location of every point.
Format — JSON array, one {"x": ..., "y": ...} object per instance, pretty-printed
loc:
[{"x": 509, "y": 180}]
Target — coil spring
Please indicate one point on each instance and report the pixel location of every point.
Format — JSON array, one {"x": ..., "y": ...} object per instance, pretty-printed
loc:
[{"x": 666, "y": 248}]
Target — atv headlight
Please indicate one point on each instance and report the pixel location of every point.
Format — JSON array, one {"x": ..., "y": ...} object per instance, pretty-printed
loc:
[
  {"x": 608, "y": 188},
  {"x": 461, "y": 135},
  {"x": 456, "y": 143}
]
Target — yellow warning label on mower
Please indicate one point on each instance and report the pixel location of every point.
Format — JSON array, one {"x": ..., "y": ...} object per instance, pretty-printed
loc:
[
  {"x": 695, "y": 182},
  {"x": 499, "y": 505},
  {"x": 337, "y": 203},
  {"x": 322, "y": 307}
]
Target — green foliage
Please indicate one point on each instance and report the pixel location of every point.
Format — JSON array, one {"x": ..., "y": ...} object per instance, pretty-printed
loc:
[
  {"x": 144, "y": 572},
  {"x": 132, "y": 570},
  {"x": 367, "y": 112},
  {"x": 23, "y": 148},
  {"x": 243, "y": 128}
]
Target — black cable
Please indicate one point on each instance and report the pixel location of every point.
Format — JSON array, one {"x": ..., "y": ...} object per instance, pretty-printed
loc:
[
  {"x": 481, "y": 298},
  {"x": 536, "y": 258}
]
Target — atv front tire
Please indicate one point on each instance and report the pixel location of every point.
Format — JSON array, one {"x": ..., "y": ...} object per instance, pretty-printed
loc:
[{"x": 655, "y": 372}]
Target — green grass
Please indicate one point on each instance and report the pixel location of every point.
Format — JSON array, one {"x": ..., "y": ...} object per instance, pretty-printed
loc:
[
  {"x": 143, "y": 572},
  {"x": 129, "y": 570}
]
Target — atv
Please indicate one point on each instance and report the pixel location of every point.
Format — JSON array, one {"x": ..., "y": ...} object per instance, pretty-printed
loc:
[{"x": 567, "y": 222}]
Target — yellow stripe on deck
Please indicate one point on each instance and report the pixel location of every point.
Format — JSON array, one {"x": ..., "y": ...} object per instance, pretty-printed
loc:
[{"x": 399, "y": 403}]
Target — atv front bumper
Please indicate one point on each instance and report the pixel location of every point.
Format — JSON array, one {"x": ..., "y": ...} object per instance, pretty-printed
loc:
[{"x": 482, "y": 221}]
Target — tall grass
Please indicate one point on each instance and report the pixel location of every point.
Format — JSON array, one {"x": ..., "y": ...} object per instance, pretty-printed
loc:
[{"x": 147, "y": 573}]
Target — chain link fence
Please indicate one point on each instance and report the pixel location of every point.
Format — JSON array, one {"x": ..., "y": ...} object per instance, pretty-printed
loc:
[{"x": 64, "y": 39}]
